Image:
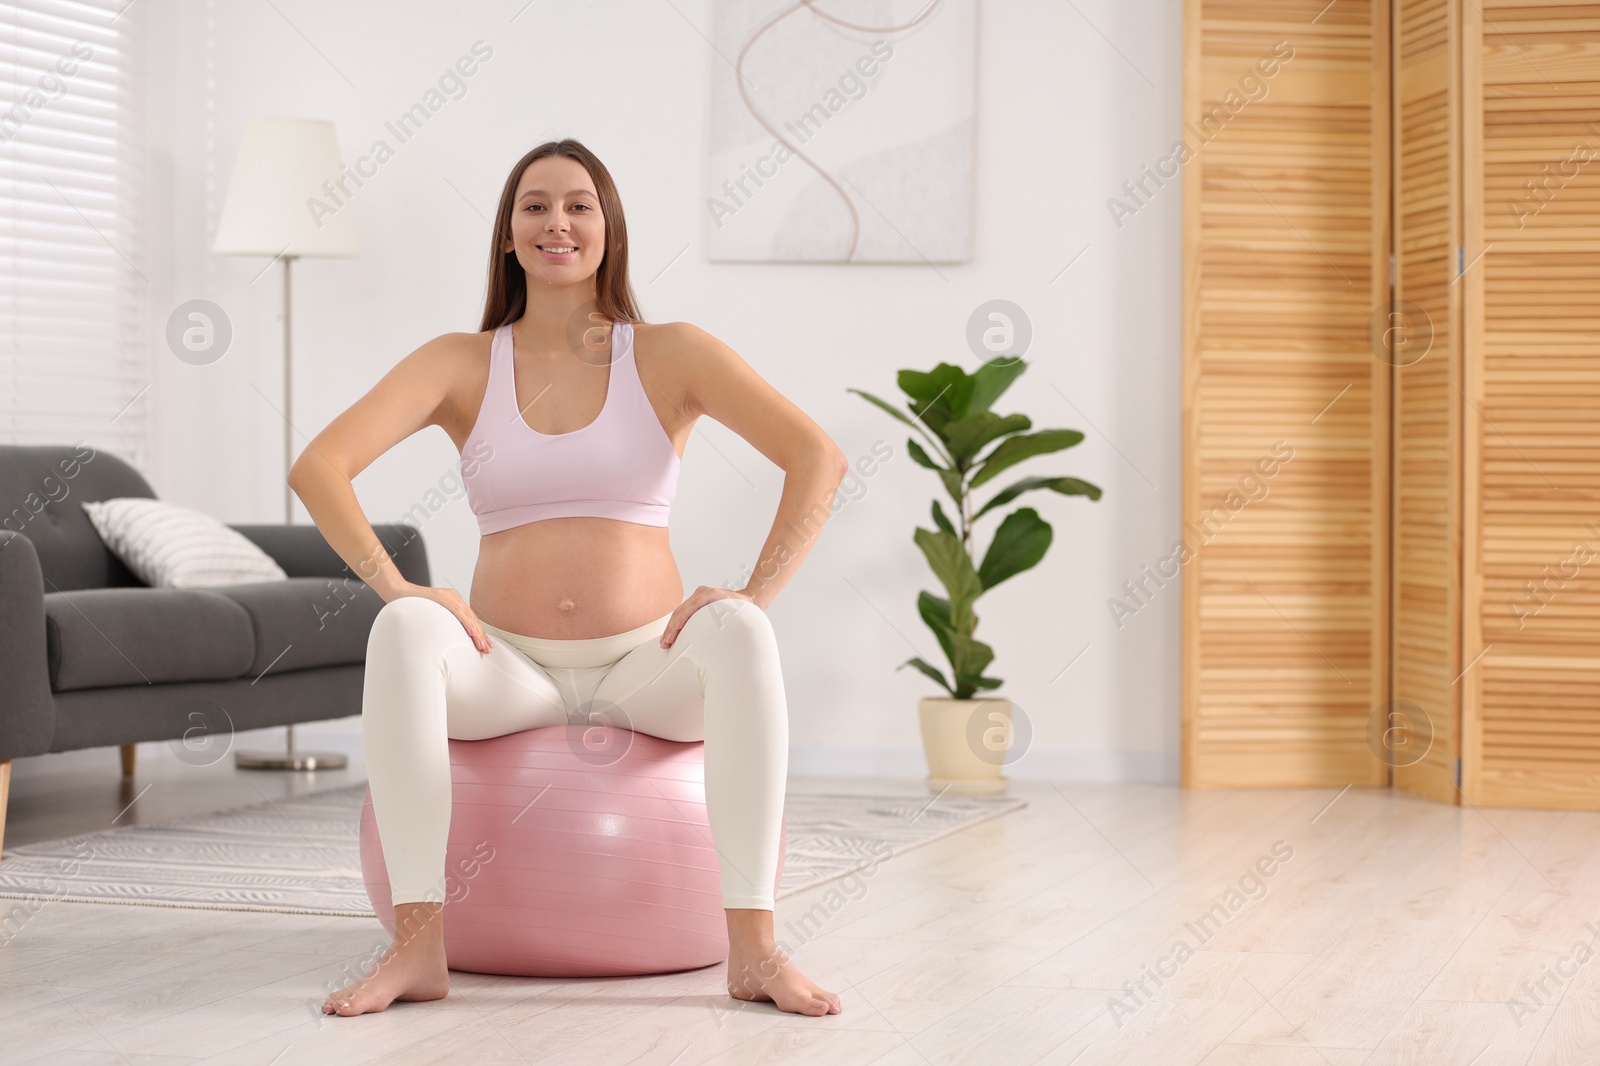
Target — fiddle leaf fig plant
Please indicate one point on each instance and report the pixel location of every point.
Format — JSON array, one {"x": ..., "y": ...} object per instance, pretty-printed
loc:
[{"x": 950, "y": 409}]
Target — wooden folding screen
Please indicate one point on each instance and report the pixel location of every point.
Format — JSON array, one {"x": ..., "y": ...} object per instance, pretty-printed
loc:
[
  {"x": 1531, "y": 511},
  {"x": 1424, "y": 346},
  {"x": 1497, "y": 426},
  {"x": 1488, "y": 578},
  {"x": 1285, "y": 406}
]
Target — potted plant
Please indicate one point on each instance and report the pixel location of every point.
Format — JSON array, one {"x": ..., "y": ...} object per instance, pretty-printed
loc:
[{"x": 964, "y": 738}]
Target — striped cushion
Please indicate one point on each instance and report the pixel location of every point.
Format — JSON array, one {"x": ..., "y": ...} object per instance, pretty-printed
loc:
[{"x": 167, "y": 546}]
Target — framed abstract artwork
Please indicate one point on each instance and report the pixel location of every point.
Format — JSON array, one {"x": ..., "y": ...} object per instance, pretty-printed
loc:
[{"x": 841, "y": 132}]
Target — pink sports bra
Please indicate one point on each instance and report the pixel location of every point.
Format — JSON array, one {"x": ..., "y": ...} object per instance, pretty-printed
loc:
[{"x": 622, "y": 465}]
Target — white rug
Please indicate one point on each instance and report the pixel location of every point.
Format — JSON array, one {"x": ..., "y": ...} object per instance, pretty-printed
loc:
[{"x": 303, "y": 856}]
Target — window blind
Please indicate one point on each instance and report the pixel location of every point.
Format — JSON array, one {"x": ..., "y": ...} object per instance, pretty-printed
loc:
[{"x": 72, "y": 363}]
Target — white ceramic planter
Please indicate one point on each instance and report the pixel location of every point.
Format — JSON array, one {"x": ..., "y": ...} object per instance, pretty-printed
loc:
[{"x": 952, "y": 740}]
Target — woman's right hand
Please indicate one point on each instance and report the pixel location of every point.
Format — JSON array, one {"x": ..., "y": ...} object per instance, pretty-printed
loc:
[{"x": 457, "y": 606}]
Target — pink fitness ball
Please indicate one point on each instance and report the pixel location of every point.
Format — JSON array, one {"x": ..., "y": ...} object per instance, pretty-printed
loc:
[{"x": 574, "y": 851}]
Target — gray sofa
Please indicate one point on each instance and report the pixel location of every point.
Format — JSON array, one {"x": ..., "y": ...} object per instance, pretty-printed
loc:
[{"x": 91, "y": 656}]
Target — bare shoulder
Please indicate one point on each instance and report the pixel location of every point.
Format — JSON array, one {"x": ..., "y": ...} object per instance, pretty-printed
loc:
[
  {"x": 677, "y": 339},
  {"x": 453, "y": 349},
  {"x": 454, "y": 361},
  {"x": 663, "y": 343},
  {"x": 665, "y": 354},
  {"x": 424, "y": 388},
  {"x": 456, "y": 367},
  {"x": 717, "y": 382},
  {"x": 685, "y": 358}
]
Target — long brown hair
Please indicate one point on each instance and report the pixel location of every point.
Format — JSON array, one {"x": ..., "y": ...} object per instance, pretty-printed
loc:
[{"x": 507, "y": 295}]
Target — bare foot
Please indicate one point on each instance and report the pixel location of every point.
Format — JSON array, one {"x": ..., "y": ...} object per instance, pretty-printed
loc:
[
  {"x": 411, "y": 968},
  {"x": 759, "y": 970}
]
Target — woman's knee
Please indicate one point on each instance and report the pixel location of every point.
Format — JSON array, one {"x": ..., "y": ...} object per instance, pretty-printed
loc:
[
  {"x": 732, "y": 621},
  {"x": 411, "y": 623}
]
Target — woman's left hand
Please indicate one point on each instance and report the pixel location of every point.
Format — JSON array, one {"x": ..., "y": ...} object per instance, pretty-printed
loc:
[{"x": 697, "y": 599}]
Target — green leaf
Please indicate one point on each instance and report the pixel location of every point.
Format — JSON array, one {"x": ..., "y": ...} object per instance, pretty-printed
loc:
[
  {"x": 946, "y": 385},
  {"x": 938, "y": 395},
  {"x": 966, "y": 435},
  {"x": 920, "y": 457},
  {"x": 967, "y": 665},
  {"x": 918, "y": 426},
  {"x": 953, "y": 480},
  {"x": 1067, "y": 486},
  {"x": 953, "y": 484},
  {"x": 967, "y": 686},
  {"x": 935, "y": 611},
  {"x": 895, "y": 411},
  {"x": 990, "y": 380},
  {"x": 1018, "y": 545},
  {"x": 953, "y": 567},
  {"x": 971, "y": 656},
  {"x": 940, "y": 520},
  {"x": 1015, "y": 449},
  {"x": 931, "y": 671},
  {"x": 968, "y": 656}
]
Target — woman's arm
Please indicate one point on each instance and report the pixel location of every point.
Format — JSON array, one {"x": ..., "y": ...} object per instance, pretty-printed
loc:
[
  {"x": 407, "y": 399},
  {"x": 720, "y": 384}
]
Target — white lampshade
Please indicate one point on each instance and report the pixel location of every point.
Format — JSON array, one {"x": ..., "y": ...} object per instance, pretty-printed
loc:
[{"x": 277, "y": 200}]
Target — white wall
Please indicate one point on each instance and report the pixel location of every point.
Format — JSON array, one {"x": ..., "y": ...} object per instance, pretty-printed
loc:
[{"x": 1069, "y": 106}]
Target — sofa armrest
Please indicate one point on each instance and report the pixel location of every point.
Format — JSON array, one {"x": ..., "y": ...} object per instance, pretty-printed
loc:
[
  {"x": 27, "y": 709},
  {"x": 302, "y": 551}
]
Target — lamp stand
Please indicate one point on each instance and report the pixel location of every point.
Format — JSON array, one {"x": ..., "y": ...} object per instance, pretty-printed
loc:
[{"x": 288, "y": 759}]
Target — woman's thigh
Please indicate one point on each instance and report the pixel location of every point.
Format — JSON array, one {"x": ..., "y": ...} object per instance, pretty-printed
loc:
[
  {"x": 661, "y": 691},
  {"x": 498, "y": 693},
  {"x": 652, "y": 690}
]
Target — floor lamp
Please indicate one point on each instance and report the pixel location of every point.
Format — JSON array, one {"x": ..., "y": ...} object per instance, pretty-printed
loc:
[{"x": 284, "y": 202}]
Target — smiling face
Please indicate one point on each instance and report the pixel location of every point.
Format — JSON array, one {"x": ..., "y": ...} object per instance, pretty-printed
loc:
[{"x": 557, "y": 229}]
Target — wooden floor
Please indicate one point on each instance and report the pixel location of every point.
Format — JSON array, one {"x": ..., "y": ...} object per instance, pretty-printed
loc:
[{"x": 1389, "y": 930}]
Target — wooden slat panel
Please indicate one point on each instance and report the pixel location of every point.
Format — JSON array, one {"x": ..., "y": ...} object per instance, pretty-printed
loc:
[
  {"x": 1426, "y": 610},
  {"x": 1285, "y": 257},
  {"x": 1531, "y": 704}
]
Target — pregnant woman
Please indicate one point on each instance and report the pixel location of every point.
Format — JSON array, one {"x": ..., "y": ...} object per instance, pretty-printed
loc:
[{"x": 571, "y": 416}]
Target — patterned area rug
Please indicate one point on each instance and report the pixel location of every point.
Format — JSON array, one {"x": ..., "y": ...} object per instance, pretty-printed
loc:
[{"x": 303, "y": 856}]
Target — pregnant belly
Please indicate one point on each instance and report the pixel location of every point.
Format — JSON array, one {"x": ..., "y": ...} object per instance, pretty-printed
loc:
[{"x": 575, "y": 578}]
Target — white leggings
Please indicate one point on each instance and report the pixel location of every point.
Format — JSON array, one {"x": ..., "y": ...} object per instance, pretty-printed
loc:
[{"x": 720, "y": 682}]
